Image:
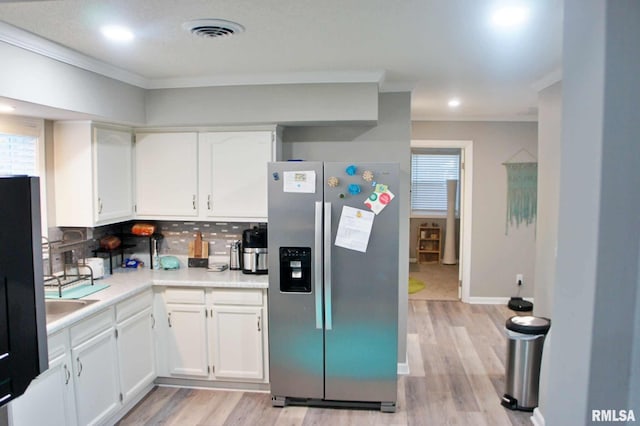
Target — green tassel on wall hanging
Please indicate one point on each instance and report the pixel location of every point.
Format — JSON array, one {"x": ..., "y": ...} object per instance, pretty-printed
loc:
[{"x": 522, "y": 193}]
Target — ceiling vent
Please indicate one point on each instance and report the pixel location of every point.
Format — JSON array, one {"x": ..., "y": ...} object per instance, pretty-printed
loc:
[{"x": 212, "y": 28}]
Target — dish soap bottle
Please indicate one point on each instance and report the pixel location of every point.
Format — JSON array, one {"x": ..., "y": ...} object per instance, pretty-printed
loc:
[{"x": 155, "y": 253}]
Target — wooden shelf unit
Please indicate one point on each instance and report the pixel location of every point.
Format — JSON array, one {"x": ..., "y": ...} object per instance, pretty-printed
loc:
[{"x": 429, "y": 244}]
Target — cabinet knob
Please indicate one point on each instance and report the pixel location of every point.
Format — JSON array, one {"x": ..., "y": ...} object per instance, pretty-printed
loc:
[
  {"x": 169, "y": 319},
  {"x": 99, "y": 205},
  {"x": 193, "y": 202},
  {"x": 67, "y": 375},
  {"x": 209, "y": 202},
  {"x": 259, "y": 328},
  {"x": 79, "y": 366}
]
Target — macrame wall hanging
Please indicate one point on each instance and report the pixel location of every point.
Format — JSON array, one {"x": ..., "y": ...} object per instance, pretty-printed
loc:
[{"x": 522, "y": 191}]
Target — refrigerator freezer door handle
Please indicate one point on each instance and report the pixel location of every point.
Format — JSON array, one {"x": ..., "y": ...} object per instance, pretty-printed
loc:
[
  {"x": 327, "y": 266},
  {"x": 317, "y": 256}
]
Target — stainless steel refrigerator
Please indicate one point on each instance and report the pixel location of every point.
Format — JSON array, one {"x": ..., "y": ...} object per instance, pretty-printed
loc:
[{"x": 333, "y": 283}]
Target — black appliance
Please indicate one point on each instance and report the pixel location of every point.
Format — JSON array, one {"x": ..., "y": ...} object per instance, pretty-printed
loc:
[
  {"x": 23, "y": 331},
  {"x": 255, "y": 257}
]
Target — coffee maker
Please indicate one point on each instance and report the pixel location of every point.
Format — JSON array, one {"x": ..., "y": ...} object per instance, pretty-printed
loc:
[{"x": 254, "y": 250}]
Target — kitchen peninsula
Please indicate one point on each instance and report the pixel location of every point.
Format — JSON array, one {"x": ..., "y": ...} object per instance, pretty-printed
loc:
[{"x": 186, "y": 327}]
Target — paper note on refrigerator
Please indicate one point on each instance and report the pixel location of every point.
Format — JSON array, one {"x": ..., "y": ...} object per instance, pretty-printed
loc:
[
  {"x": 354, "y": 229},
  {"x": 300, "y": 181}
]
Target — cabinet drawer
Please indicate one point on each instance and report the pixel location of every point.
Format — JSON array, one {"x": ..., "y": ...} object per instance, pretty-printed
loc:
[
  {"x": 132, "y": 306},
  {"x": 225, "y": 296},
  {"x": 58, "y": 343},
  {"x": 91, "y": 326},
  {"x": 191, "y": 296}
]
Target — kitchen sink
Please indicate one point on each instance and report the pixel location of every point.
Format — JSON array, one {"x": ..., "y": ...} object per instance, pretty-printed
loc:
[{"x": 57, "y": 309}]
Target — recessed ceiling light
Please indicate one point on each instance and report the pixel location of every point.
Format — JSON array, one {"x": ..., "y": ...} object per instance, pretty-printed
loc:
[
  {"x": 7, "y": 108},
  {"x": 454, "y": 103},
  {"x": 509, "y": 17},
  {"x": 117, "y": 33}
]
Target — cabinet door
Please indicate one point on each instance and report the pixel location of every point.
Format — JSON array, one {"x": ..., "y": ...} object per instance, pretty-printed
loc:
[
  {"x": 166, "y": 174},
  {"x": 236, "y": 342},
  {"x": 136, "y": 353},
  {"x": 234, "y": 174},
  {"x": 113, "y": 175},
  {"x": 49, "y": 398},
  {"x": 187, "y": 340},
  {"x": 96, "y": 378}
]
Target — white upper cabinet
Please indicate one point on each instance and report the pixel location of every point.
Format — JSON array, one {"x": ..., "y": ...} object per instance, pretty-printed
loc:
[
  {"x": 93, "y": 167},
  {"x": 166, "y": 175},
  {"x": 233, "y": 174},
  {"x": 114, "y": 184}
]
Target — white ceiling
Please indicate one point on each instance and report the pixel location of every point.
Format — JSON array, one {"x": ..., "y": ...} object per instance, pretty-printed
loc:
[{"x": 436, "y": 48}]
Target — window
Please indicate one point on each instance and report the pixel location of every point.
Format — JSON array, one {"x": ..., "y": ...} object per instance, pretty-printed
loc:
[
  {"x": 18, "y": 155},
  {"x": 22, "y": 153},
  {"x": 430, "y": 170}
]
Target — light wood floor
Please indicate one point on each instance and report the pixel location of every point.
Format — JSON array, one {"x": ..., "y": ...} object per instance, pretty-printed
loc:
[
  {"x": 441, "y": 281},
  {"x": 456, "y": 356}
]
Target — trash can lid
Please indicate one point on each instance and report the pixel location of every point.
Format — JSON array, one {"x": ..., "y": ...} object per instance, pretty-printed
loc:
[{"x": 528, "y": 324}]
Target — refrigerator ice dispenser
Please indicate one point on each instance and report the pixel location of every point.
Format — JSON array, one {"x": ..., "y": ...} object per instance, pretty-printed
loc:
[{"x": 295, "y": 269}]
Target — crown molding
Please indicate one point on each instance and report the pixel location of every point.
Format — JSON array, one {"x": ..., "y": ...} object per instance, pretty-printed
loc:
[
  {"x": 417, "y": 117},
  {"x": 36, "y": 44},
  {"x": 311, "y": 77},
  {"x": 397, "y": 86},
  {"x": 547, "y": 80}
]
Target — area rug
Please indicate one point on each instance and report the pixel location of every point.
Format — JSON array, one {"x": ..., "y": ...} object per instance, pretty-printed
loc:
[
  {"x": 415, "y": 285},
  {"x": 76, "y": 292}
]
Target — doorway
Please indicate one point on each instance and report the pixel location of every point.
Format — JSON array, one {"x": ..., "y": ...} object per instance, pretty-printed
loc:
[{"x": 450, "y": 281}]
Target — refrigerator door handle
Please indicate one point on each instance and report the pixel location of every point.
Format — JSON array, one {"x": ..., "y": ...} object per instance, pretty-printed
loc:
[
  {"x": 327, "y": 266},
  {"x": 317, "y": 279}
]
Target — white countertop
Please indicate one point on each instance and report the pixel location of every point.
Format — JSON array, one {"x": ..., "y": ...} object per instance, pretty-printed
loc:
[{"x": 125, "y": 283}]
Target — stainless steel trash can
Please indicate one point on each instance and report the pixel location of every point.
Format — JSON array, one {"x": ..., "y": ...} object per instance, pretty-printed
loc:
[{"x": 526, "y": 336}]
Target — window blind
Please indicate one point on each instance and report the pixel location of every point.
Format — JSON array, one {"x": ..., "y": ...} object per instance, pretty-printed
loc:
[
  {"x": 429, "y": 175},
  {"x": 18, "y": 155}
]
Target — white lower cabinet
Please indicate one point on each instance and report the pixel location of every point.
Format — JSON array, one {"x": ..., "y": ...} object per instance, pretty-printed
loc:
[
  {"x": 96, "y": 367},
  {"x": 187, "y": 340},
  {"x": 213, "y": 334},
  {"x": 136, "y": 350},
  {"x": 99, "y": 366},
  {"x": 236, "y": 342},
  {"x": 96, "y": 378},
  {"x": 49, "y": 400}
]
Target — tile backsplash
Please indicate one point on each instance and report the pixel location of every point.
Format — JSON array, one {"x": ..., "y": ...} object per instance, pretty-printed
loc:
[{"x": 176, "y": 238}]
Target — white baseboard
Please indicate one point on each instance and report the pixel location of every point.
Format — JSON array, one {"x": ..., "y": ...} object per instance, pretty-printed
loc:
[
  {"x": 403, "y": 369},
  {"x": 537, "y": 418},
  {"x": 492, "y": 300}
]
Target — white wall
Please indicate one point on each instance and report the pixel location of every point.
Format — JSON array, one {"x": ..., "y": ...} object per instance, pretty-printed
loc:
[
  {"x": 549, "y": 144},
  {"x": 29, "y": 77},
  {"x": 283, "y": 104},
  {"x": 496, "y": 258},
  {"x": 390, "y": 140},
  {"x": 549, "y": 153},
  {"x": 594, "y": 306}
]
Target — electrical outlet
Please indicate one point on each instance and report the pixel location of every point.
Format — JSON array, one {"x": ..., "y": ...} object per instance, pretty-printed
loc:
[{"x": 519, "y": 279}]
